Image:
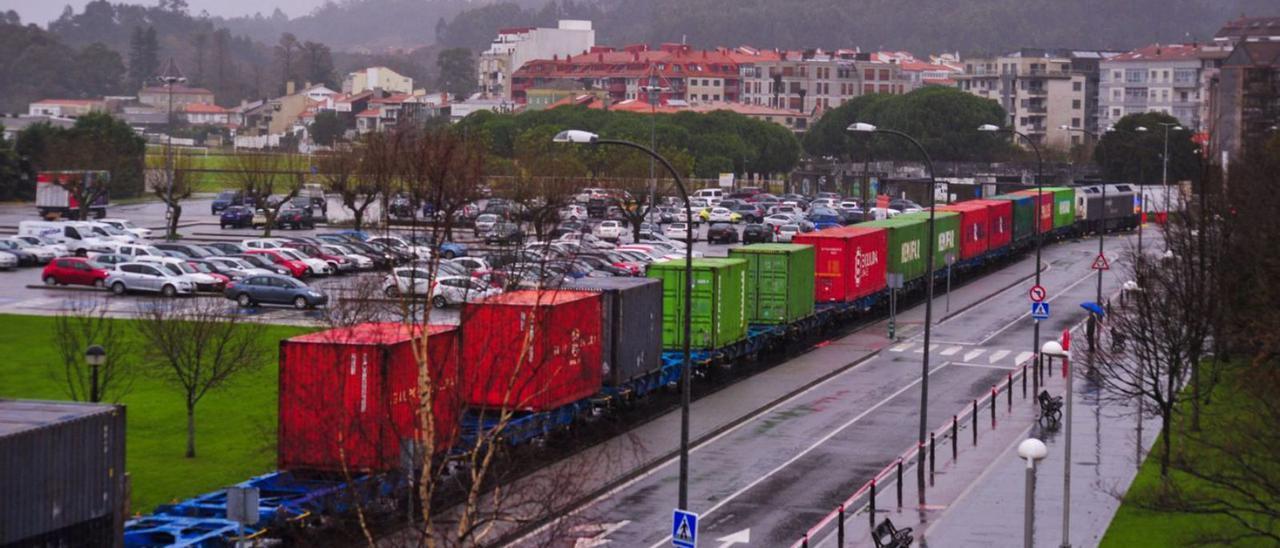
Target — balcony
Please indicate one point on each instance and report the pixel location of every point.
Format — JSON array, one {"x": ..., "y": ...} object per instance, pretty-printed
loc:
[{"x": 1035, "y": 92}]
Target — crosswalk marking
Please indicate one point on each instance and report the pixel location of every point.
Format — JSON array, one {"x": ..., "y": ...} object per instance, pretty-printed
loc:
[
  {"x": 950, "y": 351},
  {"x": 932, "y": 348},
  {"x": 1023, "y": 357},
  {"x": 902, "y": 347},
  {"x": 997, "y": 356},
  {"x": 994, "y": 357},
  {"x": 973, "y": 354}
]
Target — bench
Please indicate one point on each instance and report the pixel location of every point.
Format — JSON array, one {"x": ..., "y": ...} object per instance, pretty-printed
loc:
[
  {"x": 1050, "y": 407},
  {"x": 888, "y": 536}
]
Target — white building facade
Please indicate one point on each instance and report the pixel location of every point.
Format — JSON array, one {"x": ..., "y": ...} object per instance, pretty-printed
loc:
[
  {"x": 516, "y": 46},
  {"x": 1157, "y": 78}
]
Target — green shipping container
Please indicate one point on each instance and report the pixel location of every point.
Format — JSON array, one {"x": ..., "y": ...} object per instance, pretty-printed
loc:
[
  {"x": 1023, "y": 215},
  {"x": 947, "y": 234},
  {"x": 1064, "y": 206},
  {"x": 719, "y": 291},
  {"x": 780, "y": 281},
  {"x": 906, "y": 245}
]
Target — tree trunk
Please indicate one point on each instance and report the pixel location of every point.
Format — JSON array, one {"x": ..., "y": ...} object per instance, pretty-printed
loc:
[
  {"x": 1166, "y": 417},
  {"x": 271, "y": 223},
  {"x": 173, "y": 219},
  {"x": 358, "y": 216},
  {"x": 1195, "y": 391},
  {"x": 191, "y": 431}
]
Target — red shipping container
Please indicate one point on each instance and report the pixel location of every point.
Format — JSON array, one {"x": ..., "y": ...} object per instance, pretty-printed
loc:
[
  {"x": 1046, "y": 208},
  {"x": 349, "y": 396},
  {"x": 850, "y": 261},
  {"x": 532, "y": 350},
  {"x": 974, "y": 227},
  {"x": 999, "y": 222}
]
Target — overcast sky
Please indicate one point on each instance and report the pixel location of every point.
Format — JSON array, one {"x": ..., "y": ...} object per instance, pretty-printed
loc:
[{"x": 43, "y": 11}]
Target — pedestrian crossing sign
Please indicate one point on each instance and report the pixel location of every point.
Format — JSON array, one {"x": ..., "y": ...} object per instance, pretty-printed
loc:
[
  {"x": 684, "y": 529},
  {"x": 1040, "y": 310}
]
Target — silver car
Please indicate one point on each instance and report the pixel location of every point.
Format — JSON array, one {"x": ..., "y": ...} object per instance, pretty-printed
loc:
[
  {"x": 149, "y": 277},
  {"x": 8, "y": 260}
]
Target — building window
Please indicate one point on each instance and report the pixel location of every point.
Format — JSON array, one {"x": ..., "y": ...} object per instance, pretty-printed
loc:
[
  {"x": 869, "y": 74},
  {"x": 1075, "y": 122},
  {"x": 1135, "y": 76},
  {"x": 715, "y": 97},
  {"x": 1075, "y": 139},
  {"x": 868, "y": 89},
  {"x": 1115, "y": 113},
  {"x": 1184, "y": 76},
  {"x": 1116, "y": 94},
  {"x": 884, "y": 74},
  {"x": 1075, "y": 104},
  {"x": 1077, "y": 86}
]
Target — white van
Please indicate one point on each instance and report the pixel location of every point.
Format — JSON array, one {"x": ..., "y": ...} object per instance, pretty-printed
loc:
[
  {"x": 711, "y": 195},
  {"x": 79, "y": 236}
]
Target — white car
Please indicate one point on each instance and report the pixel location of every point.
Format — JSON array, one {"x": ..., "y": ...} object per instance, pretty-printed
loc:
[
  {"x": 361, "y": 262},
  {"x": 572, "y": 212},
  {"x": 787, "y": 232},
  {"x": 263, "y": 243},
  {"x": 43, "y": 254},
  {"x": 319, "y": 267},
  {"x": 113, "y": 234},
  {"x": 486, "y": 222},
  {"x": 135, "y": 251},
  {"x": 8, "y": 260},
  {"x": 779, "y": 219},
  {"x": 472, "y": 264},
  {"x": 128, "y": 226},
  {"x": 720, "y": 215},
  {"x": 678, "y": 231},
  {"x": 609, "y": 230},
  {"x": 848, "y": 205},
  {"x": 588, "y": 193},
  {"x": 824, "y": 202},
  {"x": 420, "y": 252},
  {"x": 585, "y": 240},
  {"x": 445, "y": 291},
  {"x": 152, "y": 278},
  {"x": 58, "y": 249},
  {"x": 881, "y": 213},
  {"x": 237, "y": 268}
]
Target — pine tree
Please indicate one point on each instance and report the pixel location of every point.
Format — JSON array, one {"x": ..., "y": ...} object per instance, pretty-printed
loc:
[{"x": 144, "y": 56}]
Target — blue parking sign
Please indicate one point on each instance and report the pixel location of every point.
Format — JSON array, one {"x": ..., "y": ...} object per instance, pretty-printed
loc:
[{"x": 684, "y": 529}]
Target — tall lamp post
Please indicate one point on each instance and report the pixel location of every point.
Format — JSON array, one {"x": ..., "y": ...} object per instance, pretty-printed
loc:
[
  {"x": 1054, "y": 349},
  {"x": 1033, "y": 450},
  {"x": 169, "y": 78},
  {"x": 861, "y": 127},
  {"x": 1102, "y": 231},
  {"x": 585, "y": 137},
  {"x": 1035, "y": 343},
  {"x": 1164, "y": 169},
  {"x": 95, "y": 356}
]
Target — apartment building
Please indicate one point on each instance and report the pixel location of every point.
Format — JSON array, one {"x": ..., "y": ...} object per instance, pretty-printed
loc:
[
  {"x": 381, "y": 78},
  {"x": 814, "y": 80},
  {"x": 1241, "y": 76},
  {"x": 1040, "y": 90},
  {"x": 1156, "y": 78},
  {"x": 513, "y": 47}
]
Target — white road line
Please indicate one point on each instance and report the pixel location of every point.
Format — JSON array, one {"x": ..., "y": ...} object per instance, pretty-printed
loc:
[
  {"x": 1022, "y": 357},
  {"x": 969, "y": 356},
  {"x": 1090, "y": 276},
  {"x": 951, "y": 350},
  {"x": 932, "y": 347},
  {"x": 807, "y": 450},
  {"x": 997, "y": 356},
  {"x": 984, "y": 366},
  {"x": 902, "y": 347}
]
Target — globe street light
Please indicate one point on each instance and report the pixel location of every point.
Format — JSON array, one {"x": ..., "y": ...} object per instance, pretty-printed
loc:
[
  {"x": 575, "y": 136},
  {"x": 95, "y": 356},
  {"x": 991, "y": 128},
  {"x": 1164, "y": 177},
  {"x": 1033, "y": 450},
  {"x": 861, "y": 127}
]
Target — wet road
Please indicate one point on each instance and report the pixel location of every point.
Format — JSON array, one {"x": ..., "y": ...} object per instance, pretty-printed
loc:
[{"x": 779, "y": 473}]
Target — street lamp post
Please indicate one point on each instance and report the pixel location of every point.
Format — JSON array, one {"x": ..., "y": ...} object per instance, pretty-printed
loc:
[
  {"x": 585, "y": 137},
  {"x": 861, "y": 127},
  {"x": 1035, "y": 343},
  {"x": 169, "y": 80},
  {"x": 1102, "y": 230},
  {"x": 95, "y": 356},
  {"x": 1054, "y": 349},
  {"x": 1033, "y": 450},
  {"x": 1164, "y": 170}
]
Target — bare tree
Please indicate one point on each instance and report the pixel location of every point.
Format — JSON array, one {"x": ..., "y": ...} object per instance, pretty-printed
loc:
[
  {"x": 443, "y": 169},
  {"x": 175, "y": 169},
  {"x": 340, "y": 174},
  {"x": 76, "y": 328},
  {"x": 380, "y": 157},
  {"x": 263, "y": 178},
  {"x": 198, "y": 347}
]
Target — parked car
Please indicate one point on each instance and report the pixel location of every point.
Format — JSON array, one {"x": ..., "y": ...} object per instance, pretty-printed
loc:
[
  {"x": 445, "y": 291},
  {"x": 720, "y": 215},
  {"x": 237, "y": 217},
  {"x": 265, "y": 263},
  {"x": 678, "y": 231},
  {"x": 450, "y": 250},
  {"x": 722, "y": 233},
  {"x": 74, "y": 271},
  {"x": 336, "y": 263},
  {"x": 751, "y": 213},
  {"x": 189, "y": 250},
  {"x": 8, "y": 260},
  {"x": 504, "y": 233},
  {"x": 572, "y": 213},
  {"x": 183, "y": 267},
  {"x": 485, "y": 222},
  {"x": 224, "y": 200},
  {"x": 128, "y": 226},
  {"x": 295, "y": 218},
  {"x": 108, "y": 261},
  {"x": 396, "y": 242},
  {"x": 268, "y": 289},
  {"x": 756, "y": 233},
  {"x": 227, "y": 248},
  {"x": 59, "y": 250},
  {"x": 151, "y": 278},
  {"x": 25, "y": 258},
  {"x": 358, "y": 261},
  {"x": 608, "y": 231},
  {"x": 43, "y": 254},
  {"x": 297, "y": 268},
  {"x": 236, "y": 268},
  {"x": 779, "y": 219}
]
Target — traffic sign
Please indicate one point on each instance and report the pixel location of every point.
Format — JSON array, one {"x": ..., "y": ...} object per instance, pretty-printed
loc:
[
  {"x": 684, "y": 529},
  {"x": 1101, "y": 263},
  {"x": 1040, "y": 310},
  {"x": 1038, "y": 293}
]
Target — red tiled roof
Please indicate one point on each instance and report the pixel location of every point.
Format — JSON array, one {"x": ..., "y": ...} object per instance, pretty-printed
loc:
[
  {"x": 369, "y": 113},
  {"x": 204, "y": 108},
  {"x": 1159, "y": 52},
  {"x": 938, "y": 82}
]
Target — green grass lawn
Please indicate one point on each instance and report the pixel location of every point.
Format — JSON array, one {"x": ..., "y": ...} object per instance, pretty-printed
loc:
[
  {"x": 1136, "y": 525},
  {"x": 214, "y": 182},
  {"x": 235, "y": 427}
]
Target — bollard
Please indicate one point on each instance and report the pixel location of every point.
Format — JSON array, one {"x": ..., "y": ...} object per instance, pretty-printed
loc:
[
  {"x": 975, "y": 423},
  {"x": 872, "y": 513},
  {"x": 994, "y": 398},
  {"x": 1009, "y": 390},
  {"x": 1024, "y": 381},
  {"x": 955, "y": 431},
  {"x": 899, "y": 482},
  {"x": 933, "y": 451},
  {"x": 804, "y": 541},
  {"x": 840, "y": 529}
]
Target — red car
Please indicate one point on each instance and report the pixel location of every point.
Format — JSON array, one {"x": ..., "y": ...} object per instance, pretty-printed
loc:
[
  {"x": 297, "y": 269},
  {"x": 222, "y": 279},
  {"x": 74, "y": 271}
]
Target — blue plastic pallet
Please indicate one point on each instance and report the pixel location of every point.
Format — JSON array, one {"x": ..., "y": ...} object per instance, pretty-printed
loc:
[{"x": 162, "y": 530}]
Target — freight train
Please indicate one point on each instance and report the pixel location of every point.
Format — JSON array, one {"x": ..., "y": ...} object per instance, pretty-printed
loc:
[{"x": 349, "y": 398}]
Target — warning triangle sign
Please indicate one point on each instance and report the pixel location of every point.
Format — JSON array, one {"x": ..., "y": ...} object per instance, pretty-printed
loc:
[{"x": 1101, "y": 263}]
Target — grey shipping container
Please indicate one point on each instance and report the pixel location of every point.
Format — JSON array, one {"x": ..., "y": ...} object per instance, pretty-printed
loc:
[
  {"x": 632, "y": 309},
  {"x": 61, "y": 473}
]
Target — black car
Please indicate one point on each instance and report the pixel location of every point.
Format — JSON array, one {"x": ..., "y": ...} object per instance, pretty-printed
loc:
[
  {"x": 225, "y": 199},
  {"x": 236, "y": 216},
  {"x": 757, "y": 233},
  {"x": 722, "y": 233},
  {"x": 504, "y": 233},
  {"x": 295, "y": 219},
  {"x": 190, "y": 251},
  {"x": 401, "y": 207}
]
